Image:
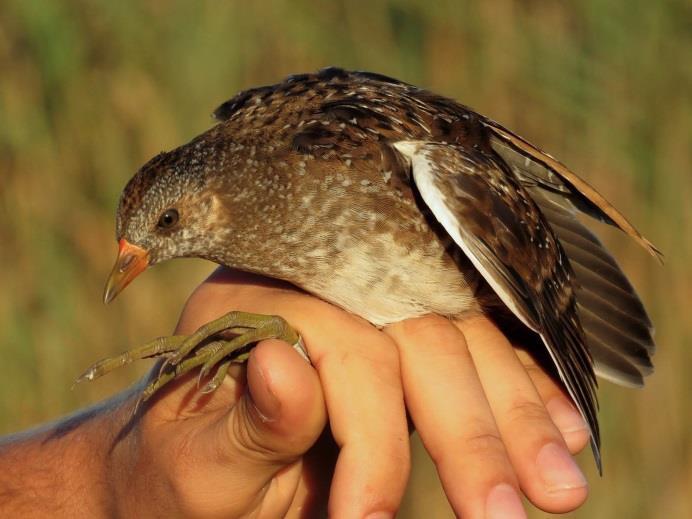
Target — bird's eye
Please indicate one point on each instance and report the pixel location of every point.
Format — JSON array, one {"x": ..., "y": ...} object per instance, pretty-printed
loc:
[{"x": 168, "y": 219}]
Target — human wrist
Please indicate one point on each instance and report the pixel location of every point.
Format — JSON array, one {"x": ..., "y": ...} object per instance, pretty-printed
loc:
[
  {"x": 90, "y": 445},
  {"x": 62, "y": 466}
]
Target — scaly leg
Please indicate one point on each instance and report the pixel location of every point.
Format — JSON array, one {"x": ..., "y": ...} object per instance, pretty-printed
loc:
[
  {"x": 185, "y": 353},
  {"x": 273, "y": 326},
  {"x": 157, "y": 347}
]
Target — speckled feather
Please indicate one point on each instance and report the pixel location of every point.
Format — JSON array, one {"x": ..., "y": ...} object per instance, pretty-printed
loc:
[{"x": 303, "y": 181}]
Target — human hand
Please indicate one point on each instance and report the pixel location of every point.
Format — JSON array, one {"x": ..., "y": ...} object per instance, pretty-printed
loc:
[
  {"x": 479, "y": 411},
  {"x": 240, "y": 451},
  {"x": 237, "y": 452}
]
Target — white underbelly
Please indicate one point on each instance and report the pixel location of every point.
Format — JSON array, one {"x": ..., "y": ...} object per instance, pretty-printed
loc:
[{"x": 391, "y": 286}]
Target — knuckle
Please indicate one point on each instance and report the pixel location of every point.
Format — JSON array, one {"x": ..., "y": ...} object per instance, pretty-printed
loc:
[
  {"x": 577, "y": 440},
  {"x": 532, "y": 368},
  {"x": 535, "y": 372},
  {"x": 245, "y": 436},
  {"x": 485, "y": 442},
  {"x": 526, "y": 413}
]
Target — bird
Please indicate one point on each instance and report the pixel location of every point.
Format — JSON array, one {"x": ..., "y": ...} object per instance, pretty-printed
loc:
[{"x": 391, "y": 202}]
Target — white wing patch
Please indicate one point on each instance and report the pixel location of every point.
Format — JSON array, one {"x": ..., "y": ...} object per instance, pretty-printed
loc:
[
  {"x": 424, "y": 177},
  {"x": 426, "y": 174}
]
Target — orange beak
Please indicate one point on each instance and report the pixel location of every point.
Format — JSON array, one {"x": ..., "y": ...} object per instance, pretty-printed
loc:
[{"x": 131, "y": 262}]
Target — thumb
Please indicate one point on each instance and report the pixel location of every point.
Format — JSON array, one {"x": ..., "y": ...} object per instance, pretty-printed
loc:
[
  {"x": 279, "y": 417},
  {"x": 282, "y": 413}
]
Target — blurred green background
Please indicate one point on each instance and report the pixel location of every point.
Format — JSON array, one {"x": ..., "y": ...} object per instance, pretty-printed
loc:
[{"x": 90, "y": 89}]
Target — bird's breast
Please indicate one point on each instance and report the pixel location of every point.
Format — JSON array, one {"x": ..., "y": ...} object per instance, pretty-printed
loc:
[
  {"x": 350, "y": 232},
  {"x": 383, "y": 265},
  {"x": 384, "y": 282}
]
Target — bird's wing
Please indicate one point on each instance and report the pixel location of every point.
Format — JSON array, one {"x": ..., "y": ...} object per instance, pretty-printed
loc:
[
  {"x": 552, "y": 175},
  {"x": 492, "y": 218},
  {"x": 618, "y": 330}
]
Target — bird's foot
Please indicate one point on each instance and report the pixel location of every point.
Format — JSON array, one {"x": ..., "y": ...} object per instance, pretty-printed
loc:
[{"x": 208, "y": 348}]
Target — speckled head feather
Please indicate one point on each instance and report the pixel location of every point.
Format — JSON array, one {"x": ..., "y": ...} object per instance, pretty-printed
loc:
[
  {"x": 172, "y": 180},
  {"x": 393, "y": 202}
]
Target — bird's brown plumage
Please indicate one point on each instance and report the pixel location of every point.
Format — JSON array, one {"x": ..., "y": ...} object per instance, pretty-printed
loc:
[{"x": 306, "y": 181}]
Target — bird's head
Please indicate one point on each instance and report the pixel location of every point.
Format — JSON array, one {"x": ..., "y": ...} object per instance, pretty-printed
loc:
[{"x": 165, "y": 212}]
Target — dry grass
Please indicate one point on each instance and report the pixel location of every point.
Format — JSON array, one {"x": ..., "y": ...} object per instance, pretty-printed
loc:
[{"x": 90, "y": 89}]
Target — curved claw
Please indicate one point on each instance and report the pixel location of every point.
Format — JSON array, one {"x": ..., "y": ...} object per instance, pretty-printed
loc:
[
  {"x": 171, "y": 374},
  {"x": 299, "y": 346},
  {"x": 218, "y": 379},
  {"x": 100, "y": 368},
  {"x": 204, "y": 372},
  {"x": 89, "y": 374},
  {"x": 155, "y": 348},
  {"x": 210, "y": 387},
  {"x": 201, "y": 375},
  {"x": 164, "y": 367},
  {"x": 177, "y": 357}
]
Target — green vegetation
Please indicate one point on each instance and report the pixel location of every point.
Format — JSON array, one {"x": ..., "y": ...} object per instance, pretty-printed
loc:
[{"x": 90, "y": 89}]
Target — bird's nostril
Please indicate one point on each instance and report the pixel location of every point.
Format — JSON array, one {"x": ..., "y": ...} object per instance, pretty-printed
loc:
[{"x": 126, "y": 262}]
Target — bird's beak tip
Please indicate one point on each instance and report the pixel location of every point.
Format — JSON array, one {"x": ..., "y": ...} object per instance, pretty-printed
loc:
[
  {"x": 131, "y": 261},
  {"x": 108, "y": 294}
]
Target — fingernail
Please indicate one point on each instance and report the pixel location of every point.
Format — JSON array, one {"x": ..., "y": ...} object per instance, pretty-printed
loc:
[
  {"x": 558, "y": 469},
  {"x": 564, "y": 416},
  {"x": 504, "y": 503},
  {"x": 380, "y": 515},
  {"x": 265, "y": 401}
]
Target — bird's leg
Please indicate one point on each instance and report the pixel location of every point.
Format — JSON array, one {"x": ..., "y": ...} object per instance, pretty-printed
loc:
[
  {"x": 157, "y": 347},
  {"x": 184, "y": 353},
  {"x": 214, "y": 357},
  {"x": 172, "y": 372},
  {"x": 265, "y": 326},
  {"x": 221, "y": 372}
]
